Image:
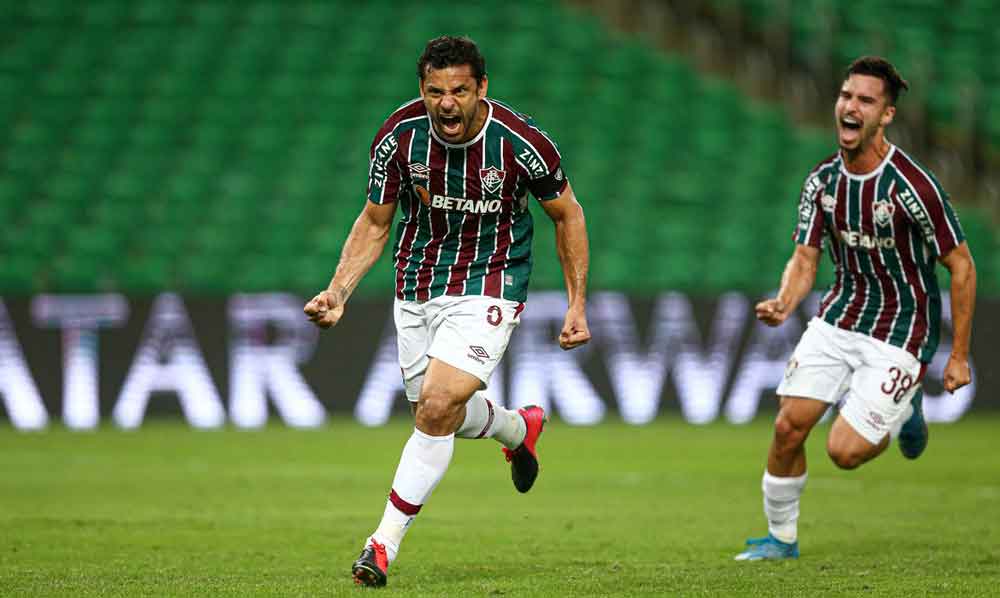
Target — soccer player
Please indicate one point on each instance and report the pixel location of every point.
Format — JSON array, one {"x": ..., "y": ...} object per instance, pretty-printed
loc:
[
  {"x": 460, "y": 166},
  {"x": 887, "y": 222}
]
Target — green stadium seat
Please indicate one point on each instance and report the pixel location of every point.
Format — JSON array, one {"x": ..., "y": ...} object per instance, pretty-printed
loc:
[
  {"x": 19, "y": 274},
  {"x": 201, "y": 273},
  {"x": 192, "y": 152},
  {"x": 147, "y": 274},
  {"x": 212, "y": 15}
]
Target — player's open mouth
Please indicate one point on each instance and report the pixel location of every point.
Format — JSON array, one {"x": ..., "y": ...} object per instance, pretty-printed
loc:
[
  {"x": 849, "y": 122},
  {"x": 850, "y": 130},
  {"x": 451, "y": 125}
]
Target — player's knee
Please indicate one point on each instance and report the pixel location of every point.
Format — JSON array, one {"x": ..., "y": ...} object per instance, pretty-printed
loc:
[
  {"x": 431, "y": 410},
  {"x": 843, "y": 457},
  {"x": 787, "y": 434},
  {"x": 435, "y": 410}
]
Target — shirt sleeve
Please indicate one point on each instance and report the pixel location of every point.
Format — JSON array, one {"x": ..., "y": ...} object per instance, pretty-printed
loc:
[
  {"x": 929, "y": 209},
  {"x": 385, "y": 176},
  {"x": 540, "y": 159},
  {"x": 809, "y": 227},
  {"x": 549, "y": 186}
]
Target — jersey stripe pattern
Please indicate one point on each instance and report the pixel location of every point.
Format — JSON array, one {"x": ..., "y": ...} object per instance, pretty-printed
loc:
[
  {"x": 885, "y": 231},
  {"x": 465, "y": 227}
]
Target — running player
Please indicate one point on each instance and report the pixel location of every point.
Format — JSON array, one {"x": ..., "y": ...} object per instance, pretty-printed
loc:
[
  {"x": 888, "y": 222},
  {"x": 459, "y": 165}
]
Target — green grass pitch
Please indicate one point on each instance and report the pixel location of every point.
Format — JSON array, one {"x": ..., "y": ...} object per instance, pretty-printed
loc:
[{"x": 617, "y": 510}]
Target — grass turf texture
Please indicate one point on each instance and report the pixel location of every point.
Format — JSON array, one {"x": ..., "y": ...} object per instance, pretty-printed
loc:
[{"x": 617, "y": 510}]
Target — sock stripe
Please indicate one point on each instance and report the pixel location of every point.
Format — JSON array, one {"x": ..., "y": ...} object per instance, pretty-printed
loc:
[
  {"x": 489, "y": 419},
  {"x": 403, "y": 506}
]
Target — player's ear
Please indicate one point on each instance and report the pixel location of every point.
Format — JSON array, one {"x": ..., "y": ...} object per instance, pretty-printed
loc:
[
  {"x": 483, "y": 84},
  {"x": 887, "y": 115}
]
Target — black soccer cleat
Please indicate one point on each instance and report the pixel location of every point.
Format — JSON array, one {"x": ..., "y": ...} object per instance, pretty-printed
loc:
[
  {"x": 524, "y": 459},
  {"x": 371, "y": 566}
]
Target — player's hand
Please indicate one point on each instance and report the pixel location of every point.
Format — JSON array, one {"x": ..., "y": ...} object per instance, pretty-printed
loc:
[
  {"x": 574, "y": 331},
  {"x": 956, "y": 374},
  {"x": 325, "y": 309},
  {"x": 772, "y": 312}
]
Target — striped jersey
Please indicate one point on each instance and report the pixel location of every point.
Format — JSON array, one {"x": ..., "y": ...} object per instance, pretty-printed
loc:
[
  {"x": 885, "y": 230},
  {"x": 465, "y": 228}
]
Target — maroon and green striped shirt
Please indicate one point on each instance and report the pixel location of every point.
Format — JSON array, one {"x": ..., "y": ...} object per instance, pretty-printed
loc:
[
  {"x": 473, "y": 237},
  {"x": 885, "y": 229}
]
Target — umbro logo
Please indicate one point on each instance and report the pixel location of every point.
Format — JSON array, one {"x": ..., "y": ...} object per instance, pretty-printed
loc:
[
  {"x": 478, "y": 354},
  {"x": 419, "y": 170},
  {"x": 875, "y": 420}
]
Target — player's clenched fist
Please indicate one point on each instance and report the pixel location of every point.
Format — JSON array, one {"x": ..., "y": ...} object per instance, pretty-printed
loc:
[
  {"x": 325, "y": 309},
  {"x": 575, "y": 331},
  {"x": 772, "y": 312},
  {"x": 956, "y": 374}
]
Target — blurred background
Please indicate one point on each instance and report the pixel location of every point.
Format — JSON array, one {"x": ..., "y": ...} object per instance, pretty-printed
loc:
[{"x": 218, "y": 150}]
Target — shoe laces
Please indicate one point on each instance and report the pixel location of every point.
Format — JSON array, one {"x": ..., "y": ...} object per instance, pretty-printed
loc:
[{"x": 508, "y": 454}]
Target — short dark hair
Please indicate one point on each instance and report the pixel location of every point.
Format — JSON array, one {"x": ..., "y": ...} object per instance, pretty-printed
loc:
[
  {"x": 876, "y": 66},
  {"x": 447, "y": 50}
]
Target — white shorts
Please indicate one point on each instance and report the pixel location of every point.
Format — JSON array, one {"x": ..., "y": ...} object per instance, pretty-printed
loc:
[
  {"x": 470, "y": 333},
  {"x": 879, "y": 379}
]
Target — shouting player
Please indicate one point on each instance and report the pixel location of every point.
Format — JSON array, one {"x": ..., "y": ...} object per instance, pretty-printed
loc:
[
  {"x": 460, "y": 166},
  {"x": 888, "y": 223}
]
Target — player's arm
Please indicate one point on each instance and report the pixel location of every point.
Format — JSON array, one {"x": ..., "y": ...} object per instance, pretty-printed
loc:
[
  {"x": 362, "y": 249},
  {"x": 959, "y": 262},
  {"x": 796, "y": 282},
  {"x": 573, "y": 249}
]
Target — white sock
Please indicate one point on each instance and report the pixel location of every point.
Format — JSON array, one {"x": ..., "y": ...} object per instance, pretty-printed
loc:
[
  {"x": 781, "y": 505},
  {"x": 485, "y": 419},
  {"x": 898, "y": 424},
  {"x": 423, "y": 463}
]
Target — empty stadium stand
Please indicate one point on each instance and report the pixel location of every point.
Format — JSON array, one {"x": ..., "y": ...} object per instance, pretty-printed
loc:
[{"x": 213, "y": 147}]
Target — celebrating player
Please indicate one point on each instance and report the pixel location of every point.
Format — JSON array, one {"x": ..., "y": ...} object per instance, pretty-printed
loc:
[
  {"x": 459, "y": 165},
  {"x": 888, "y": 222}
]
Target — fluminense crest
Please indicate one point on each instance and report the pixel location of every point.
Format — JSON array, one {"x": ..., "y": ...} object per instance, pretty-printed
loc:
[
  {"x": 882, "y": 211},
  {"x": 492, "y": 178}
]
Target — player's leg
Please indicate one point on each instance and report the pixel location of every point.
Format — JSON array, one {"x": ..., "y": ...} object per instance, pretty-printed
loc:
[
  {"x": 517, "y": 431},
  {"x": 424, "y": 461},
  {"x": 446, "y": 389},
  {"x": 486, "y": 419},
  {"x": 413, "y": 339},
  {"x": 785, "y": 479},
  {"x": 786, "y": 457},
  {"x": 442, "y": 370},
  {"x": 474, "y": 337},
  {"x": 848, "y": 449},
  {"x": 483, "y": 417},
  {"x": 878, "y": 402},
  {"x": 814, "y": 379}
]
